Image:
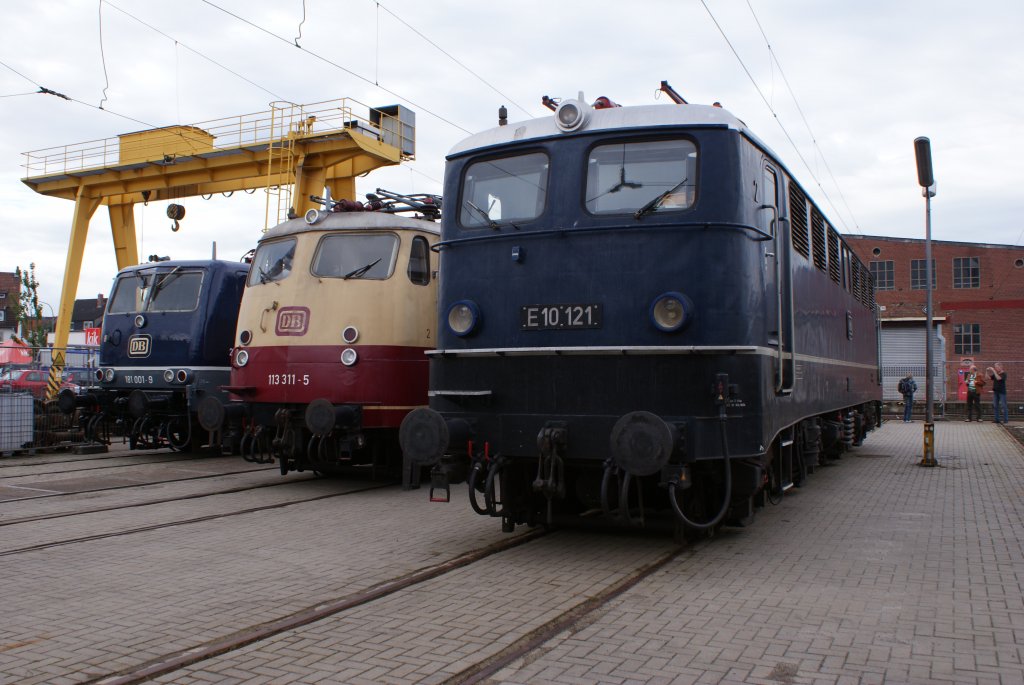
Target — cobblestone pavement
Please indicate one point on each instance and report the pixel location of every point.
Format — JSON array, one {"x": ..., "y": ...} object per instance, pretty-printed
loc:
[
  {"x": 879, "y": 571},
  {"x": 89, "y": 609}
]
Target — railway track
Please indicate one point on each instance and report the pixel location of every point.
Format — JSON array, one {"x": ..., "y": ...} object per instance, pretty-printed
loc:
[
  {"x": 124, "y": 486},
  {"x": 190, "y": 659},
  {"x": 242, "y": 638},
  {"x": 164, "y": 500},
  {"x": 185, "y": 521},
  {"x": 158, "y": 459}
]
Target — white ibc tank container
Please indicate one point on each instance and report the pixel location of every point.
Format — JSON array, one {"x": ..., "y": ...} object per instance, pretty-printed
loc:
[{"x": 15, "y": 420}]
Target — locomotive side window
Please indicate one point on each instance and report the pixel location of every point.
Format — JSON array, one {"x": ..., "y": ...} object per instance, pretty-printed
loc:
[
  {"x": 272, "y": 262},
  {"x": 507, "y": 190},
  {"x": 367, "y": 256},
  {"x": 419, "y": 261},
  {"x": 651, "y": 176}
]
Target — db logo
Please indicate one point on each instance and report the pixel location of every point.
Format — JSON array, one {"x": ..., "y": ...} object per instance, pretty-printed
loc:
[
  {"x": 292, "y": 320},
  {"x": 139, "y": 346}
]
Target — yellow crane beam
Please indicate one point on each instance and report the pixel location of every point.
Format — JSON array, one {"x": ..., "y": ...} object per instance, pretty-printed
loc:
[{"x": 310, "y": 146}]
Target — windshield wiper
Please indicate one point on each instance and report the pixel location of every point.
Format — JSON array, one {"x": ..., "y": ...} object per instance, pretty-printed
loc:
[
  {"x": 361, "y": 271},
  {"x": 159, "y": 283},
  {"x": 656, "y": 202},
  {"x": 491, "y": 223}
]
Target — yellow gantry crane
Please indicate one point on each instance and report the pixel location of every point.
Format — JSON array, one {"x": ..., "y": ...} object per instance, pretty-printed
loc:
[{"x": 305, "y": 147}]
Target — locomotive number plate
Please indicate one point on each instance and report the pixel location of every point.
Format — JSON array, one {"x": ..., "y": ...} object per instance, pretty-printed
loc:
[{"x": 540, "y": 317}]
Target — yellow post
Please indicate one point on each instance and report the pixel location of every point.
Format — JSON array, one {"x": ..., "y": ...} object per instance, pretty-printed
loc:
[
  {"x": 929, "y": 445},
  {"x": 122, "y": 228},
  {"x": 85, "y": 207}
]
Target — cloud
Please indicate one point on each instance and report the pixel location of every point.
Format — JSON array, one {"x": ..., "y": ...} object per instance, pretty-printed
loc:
[{"x": 868, "y": 77}]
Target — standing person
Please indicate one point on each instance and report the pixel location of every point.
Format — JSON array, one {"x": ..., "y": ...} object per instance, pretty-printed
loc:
[
  {"x": 998, "y": 377},
  {"x": 974, "y": 385},
  {"x": 907, "y": 388}
]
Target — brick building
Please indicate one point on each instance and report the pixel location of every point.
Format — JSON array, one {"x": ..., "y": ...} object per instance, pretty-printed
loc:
[
  {"x": 977, "y": 307},
  {"x": 10, "y": 289}
]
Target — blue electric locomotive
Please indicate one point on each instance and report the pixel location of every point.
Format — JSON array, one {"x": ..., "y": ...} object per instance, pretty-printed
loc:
[
  {"x": 642, "y": 314},
  {"x": 167, "y": 336}
]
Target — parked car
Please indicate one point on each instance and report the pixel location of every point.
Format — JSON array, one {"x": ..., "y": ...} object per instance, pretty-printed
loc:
[
  {"x": 80, "y": 378},
  {"x": 28, "y": 380}
]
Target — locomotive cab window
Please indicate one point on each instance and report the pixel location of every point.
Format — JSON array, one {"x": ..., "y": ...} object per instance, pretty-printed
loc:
[
  {"x": 504, "y": 190},
  {"x": 129, "y": 294},
  {"x": 366, "y": 256},
  {"x": 272, "y": 262},
  {"x": 653, "y": 176},
  {"x": 174, "y": 290}
]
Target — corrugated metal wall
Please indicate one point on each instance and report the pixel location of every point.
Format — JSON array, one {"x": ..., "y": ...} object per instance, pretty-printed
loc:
[{"x": 903, "y": 350}]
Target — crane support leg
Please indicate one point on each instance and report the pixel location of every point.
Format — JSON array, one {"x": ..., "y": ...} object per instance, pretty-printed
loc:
[
  {"x": 342, "y": 187},
  {"x": 122, "y": 228},
  {"x": 85, "y": 207},
  {"x": 308, "y": 181}
]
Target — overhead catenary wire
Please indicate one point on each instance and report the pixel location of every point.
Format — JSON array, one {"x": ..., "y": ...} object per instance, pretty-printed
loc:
[
  {"x": 103, "y": 58},
  {"x": 43, "y": 90},
  {"x": 452, "y": 58},
  {"x": 771, "y": 109},
  {"x": 194, "y": 51},
  {"x": 807, "y": 125},
  {"x": 300, "y": 24},
  {"x": 339, "y": 66}
]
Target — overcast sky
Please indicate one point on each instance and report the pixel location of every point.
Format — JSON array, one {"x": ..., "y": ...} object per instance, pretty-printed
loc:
[{"x": 868, "y": 78}]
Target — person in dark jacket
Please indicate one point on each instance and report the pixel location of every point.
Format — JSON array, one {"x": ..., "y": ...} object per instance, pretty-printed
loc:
[
  {"x": 999, "y": 406},
  {"x": 907, "y": 388}
]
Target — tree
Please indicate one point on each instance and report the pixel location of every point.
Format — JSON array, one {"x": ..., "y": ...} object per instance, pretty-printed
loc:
[{"x": 28, "y": 313}]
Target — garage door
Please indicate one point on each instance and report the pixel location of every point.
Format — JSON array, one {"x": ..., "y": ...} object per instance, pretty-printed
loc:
[{"x": 903, "y": 350}]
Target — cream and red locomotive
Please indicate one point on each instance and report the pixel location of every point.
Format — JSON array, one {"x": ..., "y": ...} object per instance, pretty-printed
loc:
[{"x": 337, "y": 312}]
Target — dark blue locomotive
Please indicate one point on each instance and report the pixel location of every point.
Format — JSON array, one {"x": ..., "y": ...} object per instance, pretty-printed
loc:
[
  {"x": 167, "y": 335},
  {"x": 642, "y": 314}
]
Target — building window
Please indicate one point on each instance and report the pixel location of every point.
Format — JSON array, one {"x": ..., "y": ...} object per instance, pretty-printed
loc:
[
  {"x": 966, "y": 272},
  {"x": 918, "y": 275},
  {"x": 3, "y": 314},
  {"x": 883, "y": 272},
  {"x": 967, "y": 338}
]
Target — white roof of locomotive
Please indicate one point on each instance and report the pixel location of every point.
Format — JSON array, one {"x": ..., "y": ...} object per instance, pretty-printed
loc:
[
  {"x": 611, "y": 118},
  {"x": 354, "y": 221}
]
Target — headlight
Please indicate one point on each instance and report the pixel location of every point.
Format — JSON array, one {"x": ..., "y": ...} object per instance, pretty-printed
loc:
[
  {"x": 168, "y": 376},
  {"x": 98, "y": 374},
  {"x": 245, "y": 337},
  {"x": 670, "y": 312},
  {"x": 108, "y": 375},
  {"x": 350, "y": 334},
  {"x": 182, "y": 376},
  {"x": 241, "y": 358},
  {"x": 463, "y": 317},
  {"x": 140, "y": 321},
  {"x": 571, "y": 115},
  {"x": 349, "y": 356}
]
